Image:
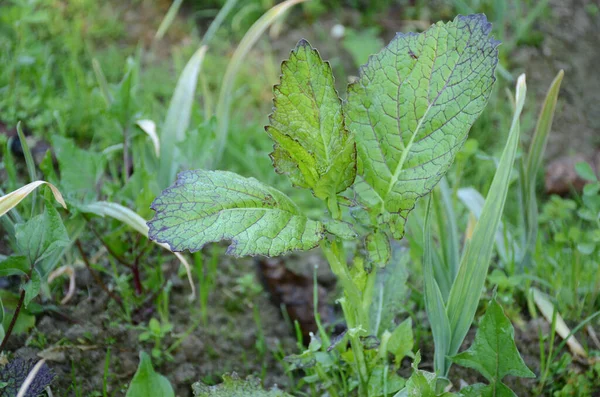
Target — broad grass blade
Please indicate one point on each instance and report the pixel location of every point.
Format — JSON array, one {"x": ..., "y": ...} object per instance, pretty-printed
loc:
[
  {"x": 178, "y": 117},
  {"x": 466, "y": 290}
]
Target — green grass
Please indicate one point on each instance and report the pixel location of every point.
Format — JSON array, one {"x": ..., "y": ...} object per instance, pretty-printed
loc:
[{"x": 74, "y": 77}]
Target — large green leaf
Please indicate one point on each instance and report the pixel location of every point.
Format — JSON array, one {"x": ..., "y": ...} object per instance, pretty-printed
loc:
[
  {"x": 411, "y": 110},
  {"x": 207, "y": 206},
  {"x": 312, "y": 145},
  {"x": 494, "y": 352}
]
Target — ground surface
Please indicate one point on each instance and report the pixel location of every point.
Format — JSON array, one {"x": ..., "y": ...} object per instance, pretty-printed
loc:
[{"x": 228, "y": 341}]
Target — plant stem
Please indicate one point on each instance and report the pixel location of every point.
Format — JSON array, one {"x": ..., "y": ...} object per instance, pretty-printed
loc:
[
  {"x": 354, "y": 312},
  {"x": 13, "y": 321}
]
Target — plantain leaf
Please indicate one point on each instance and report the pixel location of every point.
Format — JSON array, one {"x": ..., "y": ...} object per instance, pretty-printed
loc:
[
  {"x": 411, "y": 110},
  {"x": 494, "y": 352},
  {"x": 312, "y": 145},
  {"x": 208, "y": 206}
]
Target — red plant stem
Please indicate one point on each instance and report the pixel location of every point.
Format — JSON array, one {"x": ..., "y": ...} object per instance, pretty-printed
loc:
[
  {"x": 136, "y": 278},
  {"x": 13, "y": 321}
]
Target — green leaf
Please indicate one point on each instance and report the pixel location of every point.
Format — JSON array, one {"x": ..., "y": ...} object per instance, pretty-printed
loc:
[
  {"x": 233, "y": 386},
  {"x": 32, "y": 287},
  {"x": 14, "y": 265},
  {"x": 401, "y": 342},
  {"x": 80, "y": 170},
  {"x": 466, "y": 289},
  {"x": 178, "y": 117},
  {"x": 411, "y": 110},
  {"x": 378, "y": 248},
  {"x": 42, "y": 235},
  {"x": 341, "y": 229},
  {"x": 376, "y": 386},
  {"x": 146, "y": 382},
  {"x": 494, "y": 352},
  {"x": 389, "y": 293},
  {"x": 208, "y": 206},
  {"x": 585, "y": 171},
  {"x": 312, "y": 145},
  {"x": 421, "y": 383}
]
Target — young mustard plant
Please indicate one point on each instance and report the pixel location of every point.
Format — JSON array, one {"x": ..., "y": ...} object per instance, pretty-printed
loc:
[{"x": 369, "y": 157}]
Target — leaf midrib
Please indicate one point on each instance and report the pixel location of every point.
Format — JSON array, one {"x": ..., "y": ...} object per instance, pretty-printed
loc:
[{"x": 406, "y": 150}]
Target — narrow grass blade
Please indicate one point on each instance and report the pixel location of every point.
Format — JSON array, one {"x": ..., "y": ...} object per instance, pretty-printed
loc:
[
  {"x": 12, "y": 199},
  {"x": 102, "y": 82},
  {"x": 168, "y": 19},
  {"x": 534, "y": 162},
  {"x": 450, "y": 240},
  {"x": 237, "y": 60},
  {"x": 29, "y": 162},
  {"x": 218, "y": 21},
  {"x": 434, "y": 303},
  {"x": 136, "y": 222},
  {"x": 542, "y": 129},
  {"x": 466, "y": 290},
  {"x": 178, "y": 117}
]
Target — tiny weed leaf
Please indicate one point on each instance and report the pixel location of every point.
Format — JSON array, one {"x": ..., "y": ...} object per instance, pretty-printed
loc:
[
  {"x": 494, "y": 353},
  {"x": 208, "y": 206},
  {"x": 233, "y": 386},
  {"x": 146, "y": 382},
  {"x": 312, "y": 145},
  {"x": 42, "y": 235},
  {"x": 422, "y": 383},
  {"x": 411, "y": 110},
  {"x": 401, "y": 342},
  {"x": 585, "y": 171}
]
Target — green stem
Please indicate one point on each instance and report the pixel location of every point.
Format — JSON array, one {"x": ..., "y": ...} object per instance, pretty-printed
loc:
[{"x": 352, "y": 306}]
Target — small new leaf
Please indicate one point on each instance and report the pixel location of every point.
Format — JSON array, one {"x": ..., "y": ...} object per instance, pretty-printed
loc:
[
  {"x": 494, "y": 353},
  {"x": 146, "y": 382},
  {"x": 312, "y": 145},
  {"x": 210, "y": 206},
  {"x": 411, "y": 110}
]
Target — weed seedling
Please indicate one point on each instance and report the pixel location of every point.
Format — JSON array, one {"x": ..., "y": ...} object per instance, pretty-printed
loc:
[{"x": 369, "y": 158}]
